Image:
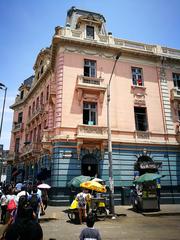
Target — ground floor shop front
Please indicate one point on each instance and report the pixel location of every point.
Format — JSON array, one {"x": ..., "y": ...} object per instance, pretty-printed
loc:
[{"x": 129, "y": 161}]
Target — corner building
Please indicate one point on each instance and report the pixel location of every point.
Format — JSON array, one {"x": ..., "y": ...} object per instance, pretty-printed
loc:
[{"x": 60, "y": 113}]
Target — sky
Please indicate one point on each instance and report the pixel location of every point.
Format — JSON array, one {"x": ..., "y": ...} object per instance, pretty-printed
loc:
[{"x": 27, "y": 26}]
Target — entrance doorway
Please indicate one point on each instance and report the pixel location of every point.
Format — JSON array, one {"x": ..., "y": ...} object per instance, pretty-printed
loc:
[{"x": 89, "y": 166}]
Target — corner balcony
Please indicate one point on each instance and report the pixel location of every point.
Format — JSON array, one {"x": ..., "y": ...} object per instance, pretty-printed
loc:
[
  {"x": 30, "y": 150},
  {"x": 175, "y": 94},
  {"x": 92, "y": 132},
  {"x": 90, "y": 85},
  {"x": 17, "y": 127},
  {"x": 36, "y": 113}
]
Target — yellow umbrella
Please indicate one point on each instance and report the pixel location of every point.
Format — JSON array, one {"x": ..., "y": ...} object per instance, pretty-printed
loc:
[{"x": 95, "y": 186}]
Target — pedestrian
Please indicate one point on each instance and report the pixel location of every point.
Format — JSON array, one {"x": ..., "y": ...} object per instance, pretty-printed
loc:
[
  {"x": 133, "y": 195},
  {"x": 3, "y": 202},
  {"x": 82, "y": 199},
  {"x": 90, "y": 232},
  {"x": 44, "y": 198},
  {"x": 36, "y": 203}
]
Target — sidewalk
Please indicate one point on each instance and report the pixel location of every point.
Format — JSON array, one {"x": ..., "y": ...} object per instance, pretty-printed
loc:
[{"x": 166, "y": 209}]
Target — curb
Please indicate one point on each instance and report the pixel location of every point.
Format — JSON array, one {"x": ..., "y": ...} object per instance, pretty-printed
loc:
[{"x": 161, "y": 214}]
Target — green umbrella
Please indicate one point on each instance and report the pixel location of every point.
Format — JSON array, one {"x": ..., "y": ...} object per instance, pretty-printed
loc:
[
  {"x": 76, "y": 181},
  {"x": 147, "y": 177}
]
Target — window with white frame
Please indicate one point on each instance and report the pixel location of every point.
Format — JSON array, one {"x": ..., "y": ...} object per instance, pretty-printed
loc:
[
  {"x": 137, "y": 77},
  {"x": 176, "y": 80},
  {"x": 89, "y": 68},
  {"x": 89, "y": 113},
  {"x": 140, "y": 119},
  {"x": 90, "y": 32}
]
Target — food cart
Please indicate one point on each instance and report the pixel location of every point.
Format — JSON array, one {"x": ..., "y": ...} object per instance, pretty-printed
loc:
[
  {"x": 146, "y": 194},
  {"x": 96, "y": 203}
]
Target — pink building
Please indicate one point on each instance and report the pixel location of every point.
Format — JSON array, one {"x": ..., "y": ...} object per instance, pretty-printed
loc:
[{"x": 60, "y": 114}]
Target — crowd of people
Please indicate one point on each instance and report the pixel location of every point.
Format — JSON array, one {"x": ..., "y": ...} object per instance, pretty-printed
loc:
[{"x": 21, "y": 207}]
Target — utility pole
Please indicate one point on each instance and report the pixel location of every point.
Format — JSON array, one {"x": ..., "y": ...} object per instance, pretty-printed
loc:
[
  {"x": 111, "y": 180},
  {"x": 3, "y": 87}
]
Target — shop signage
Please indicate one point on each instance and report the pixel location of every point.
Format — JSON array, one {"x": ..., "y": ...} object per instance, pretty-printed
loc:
[{"x": 150, "y": 165}]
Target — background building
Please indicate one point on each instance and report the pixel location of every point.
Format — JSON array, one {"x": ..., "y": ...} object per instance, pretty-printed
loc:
[
  {"x": 60, "y": 114},
  {"x": 3, "y": 163}
]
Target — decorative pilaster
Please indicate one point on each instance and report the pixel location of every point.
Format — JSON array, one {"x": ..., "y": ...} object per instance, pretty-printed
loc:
[
  {"x": 59, "y": 90},
  {"x": 166, "y": 100}
]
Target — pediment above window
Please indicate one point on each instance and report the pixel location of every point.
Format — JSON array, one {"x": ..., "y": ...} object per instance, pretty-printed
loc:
[{"x": 89, "y": 19}]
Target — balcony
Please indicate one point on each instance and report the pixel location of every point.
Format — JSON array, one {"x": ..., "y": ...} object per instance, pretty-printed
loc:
[
  {"x": 12, "y": 156},
  {"x": 142, "y": 135},
  {"x": 31, "y": 149},
  {"x": 175, "y": 94},
  {"x": 17, "y": 127},
  {"x": 90, "y": 87},
  {"x": 52, "y": 95},
  {"x": 92, "y": 132},
  {"x": 36, "y": 113},
  {"x": 90, "y": 83}
]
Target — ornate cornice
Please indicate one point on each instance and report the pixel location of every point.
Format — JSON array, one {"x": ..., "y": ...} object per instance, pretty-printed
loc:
[{"x": 34, "y": 86}]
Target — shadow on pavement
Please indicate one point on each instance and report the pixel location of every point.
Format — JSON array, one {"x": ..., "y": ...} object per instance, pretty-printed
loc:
[{"x": 47, "y": 219}]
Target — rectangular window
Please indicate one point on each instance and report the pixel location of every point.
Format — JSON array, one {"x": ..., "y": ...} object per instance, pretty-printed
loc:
[
  {"x": 34, "y": 134},
  {"x": 137, "y": 78},
  {"x": 37, "y": 103},
  {"x": 90, "y": 32},
  {"x": 140, "y": 119},
  {"x": 17, "y": 144},
  {"x": 29, "y": 111},
  {"x": 22, "y": 94},
  {"x": 176, "y": 80},
  {"x": 31, "y": 136},
  {"x": 47, "y": 93},
  {"x": 20, "y": 117},
  {"x": 179, "y": 115},
  {"x": 33, "y": 107},
  {"x": 41, "y": 98},
  {"x": 89, "y": 113},
  {"x": 39, "y": 134},
  {"x": 89, "y": 68}
]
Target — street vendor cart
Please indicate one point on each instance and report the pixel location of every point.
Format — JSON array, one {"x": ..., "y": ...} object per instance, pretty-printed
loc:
[{"x": 147, "y": 197}]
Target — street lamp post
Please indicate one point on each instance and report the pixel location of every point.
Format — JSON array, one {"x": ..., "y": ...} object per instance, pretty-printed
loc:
[
  {"x": 111, "y": 180},
  {"x": 2, "y": 86}
]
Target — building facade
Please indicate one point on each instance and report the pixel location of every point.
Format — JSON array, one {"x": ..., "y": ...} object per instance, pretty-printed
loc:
[{"x": 60, "y": 113}]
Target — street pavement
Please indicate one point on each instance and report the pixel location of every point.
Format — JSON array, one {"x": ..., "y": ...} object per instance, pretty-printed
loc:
[
  {"x": 128, "y": 225},
  {"x": 163, "y": 225}
]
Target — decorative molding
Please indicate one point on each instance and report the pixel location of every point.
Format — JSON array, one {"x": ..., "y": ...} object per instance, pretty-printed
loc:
[
  {"x": 142, "y": 134},
  {"x": 93, "y": 150},
  {"x": 139, "y": 93}
]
